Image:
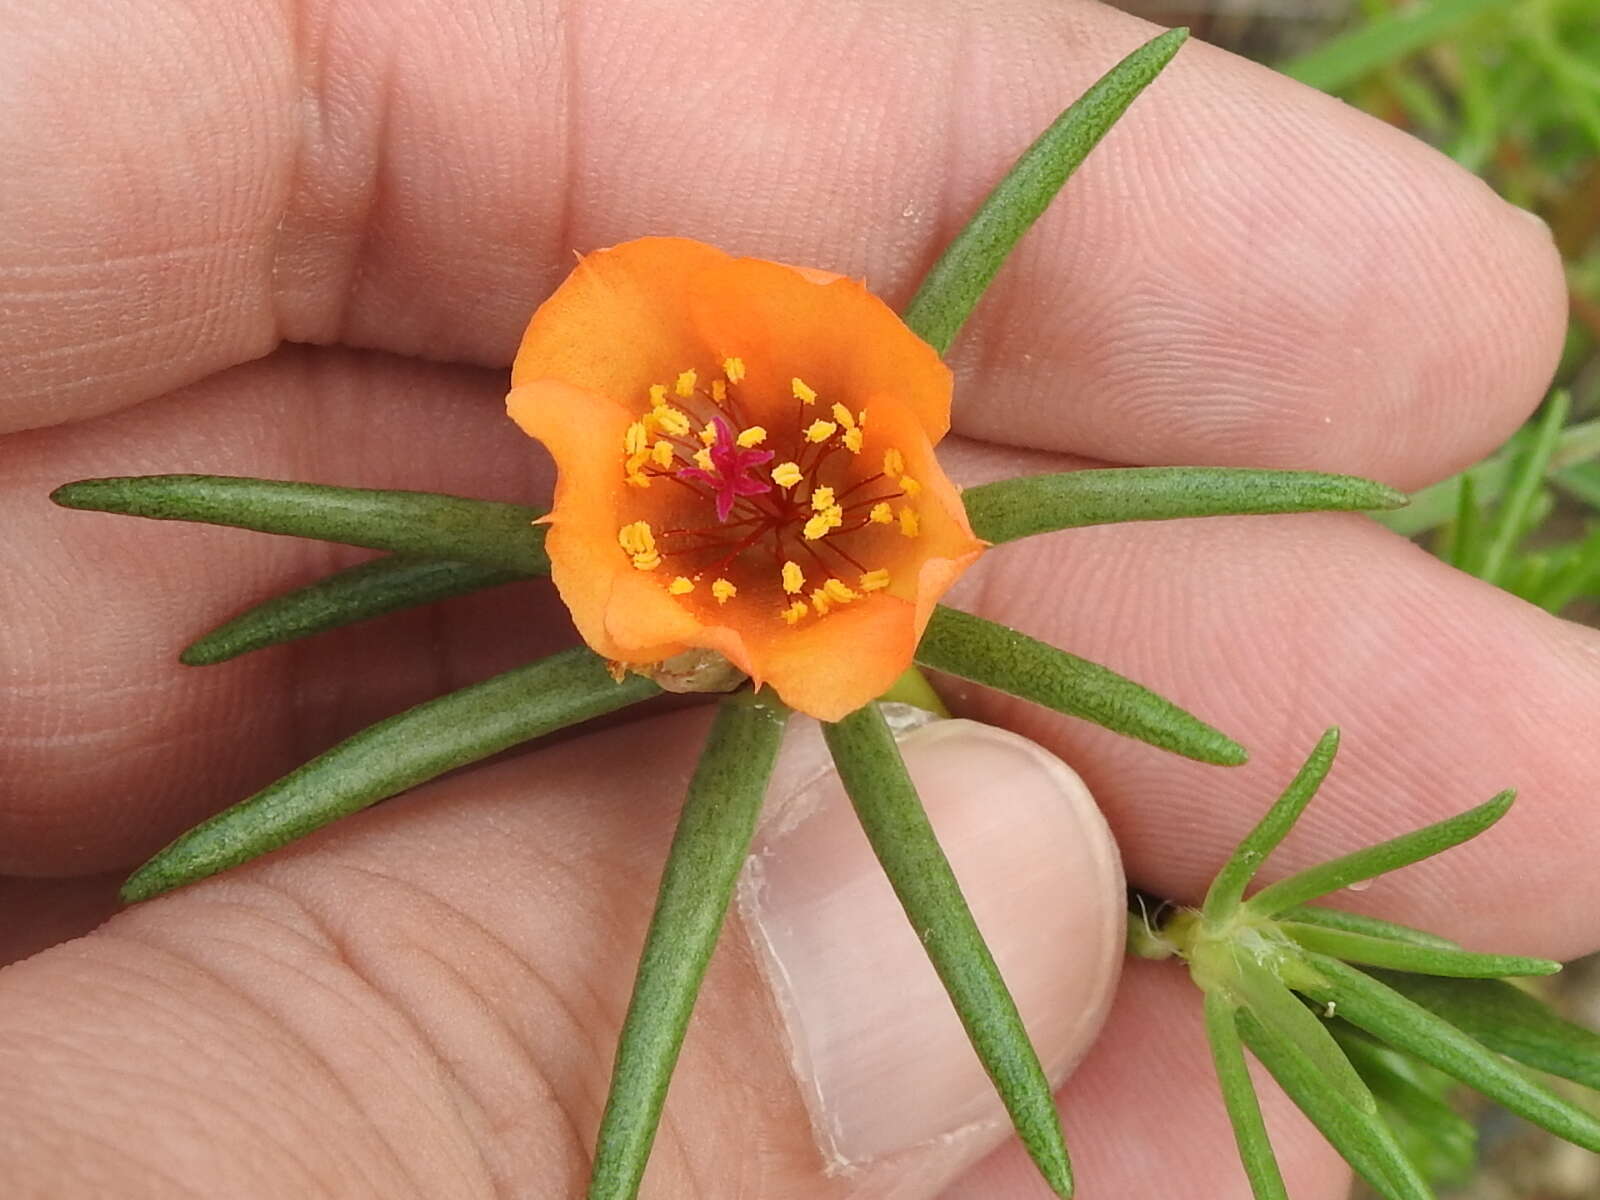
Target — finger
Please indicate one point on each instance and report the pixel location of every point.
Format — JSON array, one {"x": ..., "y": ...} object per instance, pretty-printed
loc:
[
  {"x": 423, "y": 1001},
  {"x": 1246, "y": 272},
  {"x": 1446, "y": 688},
  {"x": 1144, "y": 1105}
]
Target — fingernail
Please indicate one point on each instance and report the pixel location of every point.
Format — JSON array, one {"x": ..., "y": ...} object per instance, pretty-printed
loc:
[{"x": 877, "y": 1049}]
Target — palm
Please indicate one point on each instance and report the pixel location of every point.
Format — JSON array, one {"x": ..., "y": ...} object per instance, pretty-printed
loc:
[{"x": 1264, "y": 295}]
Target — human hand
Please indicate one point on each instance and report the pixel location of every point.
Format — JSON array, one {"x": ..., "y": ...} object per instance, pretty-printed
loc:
[{"x": 305, "y": 249}]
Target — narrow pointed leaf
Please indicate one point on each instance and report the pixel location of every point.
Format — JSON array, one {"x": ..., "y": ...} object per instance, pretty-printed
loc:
[
  {"x": 1526, "y": 483},
  {"x": 708, "y": 850},
  {"x": 1377, "y": 860},
  {"x": 1384, "y": 39},
  {"x": 1336, "y": 918},
  {"x": 416, "y": 524},
  {"x": 1509, "y": 1021},
  {"x": 1365, "y": 1142},
  {"x": 891, "y": 813},
  {"x": 1239, "y": 1096},
  {"x": 357, "y": 593},
  {"x": 959, "y": 643},
  {"x": 1263, "y": 995},
  {"x": 1033, "y": 504},
  {"x": 1429, "y": 960},
  {"x": 1228, "y": 887},
  {"x": 1467, "y": 545},
  {"x": 1383, "y": 1012},
  {"x": 391, "y": 756},
  {"x": 952, "y": 287}
]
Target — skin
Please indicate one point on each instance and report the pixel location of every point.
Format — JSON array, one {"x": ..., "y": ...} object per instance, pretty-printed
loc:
[{"x": 301, "y": 240}]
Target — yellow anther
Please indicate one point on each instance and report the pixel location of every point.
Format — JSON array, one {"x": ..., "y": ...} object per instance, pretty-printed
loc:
[
  {"x": 909, "y": 525},
  {"x": 633, "y": 472},
  {"x": 793, "y": 577},
  {"x": 681, "y": 586},
  {"x": 795, "y": 611},
  {"x": 909, "y": 485},
  {"x": 637, "y": 537},
  {"x": 723, "y": 590},
  {"x": 817, "y": 527},
  {"x": 685, "y": 384},
  {"x": 672, "y": 420},
  {"x": 647, "y": 561},
  {"x": 702, "y": 459},
  {"x": 753, "y": 436},
  {"x": 733, "y": 368},
  {"x": 658, "y": 395},
  {"x": 853, "y": 440},
  {"x": 875, "y": 581},
  {"x": 820, "y": 602},
  {"x": 636, "y": 479},
  {"x": 803, "y": 391},
  {"x": 661, "y": 454},
  {"x": 708, "y": 434},
  {"x": 637, "y": 439},
  {"x": 786, "y": 474},
  {"x": 719, "y": 391},
  {"x": 842, "y": 415},
  {"x": 822, "y": 499},
  {"x": 840, "y": 592},
  {"x": 861, "y": 418},
  {"x": 820, "y": 431},
  {"x": 881, "y": 514},
  {"x": 894, "y": 463}
]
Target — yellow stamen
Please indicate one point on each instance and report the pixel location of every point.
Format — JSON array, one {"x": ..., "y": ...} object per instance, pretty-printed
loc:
[
  {"x": 795, "y": 611},
  {"x": 637, "y": 537},
  {"x": 793, "y": 577},
  {"x": 685, "y": 385},
  {"x": 661, "y": 454},
  {"x": 786, "y": 474},
  {"x": 909, "y": 485},
  {"x": 853, "y": 440},
  {"x": 840, "y": 592},
  {"x": 681, "y": 586},
  {"x": 803, "y": 391},
  {"x": 875, "y": 581},
  {"x": 673, "y": 420},
  {"x": 658, "y": 395},
  {"x": 894, "y": 463},
  {"x": 861, "y": 418},
  {"x": 909, "y": 525},
  {"x": 719, "y": 391},
  {"x": 822, "y": 498},
  {"x": 820, "y": 431},
  {"x": 753, "y": 436},
  {"x": 733, "y": 368},
  {"x": 702, "y": 459},
  {"x": 633, "y": 472},
  {"x": 647, "y": 562},
  {"x": 820, "y": 602},
  {"x": 881, "y": 514},
  {"x": 723, "y": 590},
  {"x": 636, "y": 439},
  {"x": 842, "y": 415},
  {"x": 708, "y": 435}
]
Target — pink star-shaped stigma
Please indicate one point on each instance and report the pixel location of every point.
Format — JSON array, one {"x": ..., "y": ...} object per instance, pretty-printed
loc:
[{"x": 731, "y": 465}]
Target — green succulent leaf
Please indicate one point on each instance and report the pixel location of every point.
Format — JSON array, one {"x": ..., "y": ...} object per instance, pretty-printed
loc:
[
  {"x": 391, "y": 756},
  {"x": 1387, "y": 856},
  {"x": 1364, "y": 1141},
  {"x": 959, "y": 643},
  {"x": 708, "y": 850},
  {"x": 357, "y": 593},
  {"x": 1412, "y": 1102},
  {"x": 1239, "y": 1096},
  {"x": 1383, "y": 1012},
  {"x": 415, "y": 524},
  {"x": 1508, "y": 1020},
  {"x": 891, "y": 813},
  {"x": 1400, "y": 956},
  {"x": 1349, "y": 922},
  {"x": 954, "y": 284},
  {"x": 1016, "y": 508},
  {"x": 1228, "y": 887}
]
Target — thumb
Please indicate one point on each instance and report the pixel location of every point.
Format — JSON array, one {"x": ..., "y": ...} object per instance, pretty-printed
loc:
[{"x": 423, "y": 1000}]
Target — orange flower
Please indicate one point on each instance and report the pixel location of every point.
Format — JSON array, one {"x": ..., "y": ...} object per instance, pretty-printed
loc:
[{"x": 744, "y": 456}]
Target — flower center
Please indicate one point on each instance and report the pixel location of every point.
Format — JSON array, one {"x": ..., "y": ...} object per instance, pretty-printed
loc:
[{"x": 798, "y": 518}]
